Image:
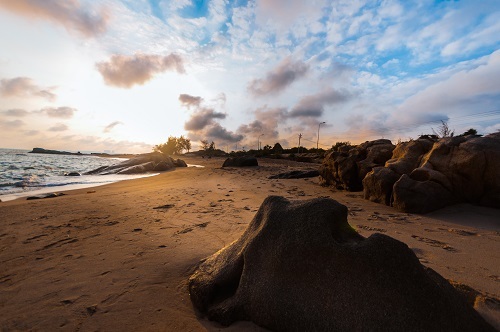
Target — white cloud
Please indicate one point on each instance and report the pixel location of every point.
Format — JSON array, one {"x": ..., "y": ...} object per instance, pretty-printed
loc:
[
  {"x": 25, "y": 87},
  {"x": 126, "y": 71},
  {"x": 70, "y": 14}
]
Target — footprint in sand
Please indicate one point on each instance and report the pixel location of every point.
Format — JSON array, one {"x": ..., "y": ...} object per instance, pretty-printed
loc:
[
  {"x": 435, "y": 243},
  {"x": 377, "y": 217},
  {"x": 190, "y": 229},
  {"x": 460, "y": 232},
  {"x": 164, "y": 207},
  {"x": 372, "y": 229},
  {"x": 28, "y": 240}
]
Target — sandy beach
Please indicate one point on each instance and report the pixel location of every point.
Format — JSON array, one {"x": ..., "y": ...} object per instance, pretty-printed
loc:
[{"x": 118, "y": 257}]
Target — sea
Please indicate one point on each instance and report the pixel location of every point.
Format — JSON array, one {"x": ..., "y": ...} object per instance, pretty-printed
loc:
[{"x": 24, "y": 174}]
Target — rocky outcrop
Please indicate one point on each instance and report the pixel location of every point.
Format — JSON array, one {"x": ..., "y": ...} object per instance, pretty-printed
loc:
[
  {"x": 345, "y": 169},
  {"x": 299, "y": 266},
  {"x": 296, "y": 174},
  {"x": 149, "y": 162},
  {"x": 72, "y": 174},
  {"x": 42, "y": 196},
  {"x": 378, "y": 183},
  {"x": 45, "y": 151},
  {"x": 426, "y": 175},
  {"x": 244, "y": 161}
]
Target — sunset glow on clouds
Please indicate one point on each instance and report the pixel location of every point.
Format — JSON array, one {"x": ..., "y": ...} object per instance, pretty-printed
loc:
[{"x": 123, "y": 75}]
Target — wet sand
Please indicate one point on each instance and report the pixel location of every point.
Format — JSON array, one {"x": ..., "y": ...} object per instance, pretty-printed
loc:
[{"x": 117, "y": 257}]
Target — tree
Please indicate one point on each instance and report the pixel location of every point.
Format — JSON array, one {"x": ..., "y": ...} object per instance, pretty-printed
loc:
[
  {"x": 471, "y": 131},
  {"x": 277, "y": 148},
  {"x": 443, "y": 130},
  {"x": 184, "y": 143},
  {"x": 171, "y": 147},
  {"x": 339, "y": 145},
  {"x": 204, "y": 144},
  {"x": 212, "y": 146}
]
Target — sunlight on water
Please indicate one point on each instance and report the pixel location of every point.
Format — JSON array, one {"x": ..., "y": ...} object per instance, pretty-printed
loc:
[{"x": 23, "y": 174}]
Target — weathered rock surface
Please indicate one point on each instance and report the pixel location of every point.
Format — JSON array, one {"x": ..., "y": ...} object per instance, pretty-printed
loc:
[
  {"x": 42, "y": 196},
  {"x": 244, "y": 161},
  {"x": 299, "y": 266},
  {"x": 143, "y": 163},
  {"x": 180, "y": 163},
  {"x": 425, "y": 175},
  {"x": 346, "y": 169},
  {"x": 296, "y": 174},
  {"x": 72, "y": 174}
]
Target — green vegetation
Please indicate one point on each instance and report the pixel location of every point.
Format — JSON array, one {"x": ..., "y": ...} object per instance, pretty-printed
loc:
[
  {"x": 471, "y": 131},
  {"x": 443, "y": 130},
  {"x": 339, "y": 145},
  {"x": 174, "y": 145}
]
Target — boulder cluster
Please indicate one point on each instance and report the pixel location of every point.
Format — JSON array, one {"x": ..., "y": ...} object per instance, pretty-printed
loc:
[
  {"x": 345, "y": 169},
  {"x": 300, "y": 266},
  {"x": 421, "y": 175},
  {"x": 148, "y": 162}
]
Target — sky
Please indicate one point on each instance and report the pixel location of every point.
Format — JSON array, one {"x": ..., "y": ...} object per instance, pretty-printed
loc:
[{"x": 122, "y": 76}]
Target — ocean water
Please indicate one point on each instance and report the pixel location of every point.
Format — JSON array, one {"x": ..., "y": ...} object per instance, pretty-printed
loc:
[{"x": 24, "y": 174}]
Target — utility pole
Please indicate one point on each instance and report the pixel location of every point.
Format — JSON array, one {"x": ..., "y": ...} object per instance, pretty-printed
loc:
[
  {"x": 300, "y": 136},
  {"x": 317, "y": 143},
  {"x": 258, "y": 141}
]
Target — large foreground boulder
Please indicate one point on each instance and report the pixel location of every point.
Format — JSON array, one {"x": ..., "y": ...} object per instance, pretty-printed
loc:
[
  {"x": 345, "y": 169},
  {"x": 299, "y": 266},
  {"x": 148, "y": 162}
]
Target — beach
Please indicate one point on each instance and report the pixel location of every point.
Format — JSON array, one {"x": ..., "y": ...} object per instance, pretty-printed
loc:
[{"x": 118, "y": 256}]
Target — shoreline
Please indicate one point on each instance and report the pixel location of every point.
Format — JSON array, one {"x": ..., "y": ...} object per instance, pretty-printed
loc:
[
  {"x": 68, "y": 187},
  {"x": 119, "y": 257}
]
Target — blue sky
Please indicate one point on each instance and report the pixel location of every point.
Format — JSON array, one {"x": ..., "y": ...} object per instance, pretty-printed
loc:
[{"x": 123, "y": 75}]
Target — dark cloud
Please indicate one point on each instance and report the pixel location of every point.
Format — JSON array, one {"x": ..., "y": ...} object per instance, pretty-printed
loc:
[
  {"x": 202, "y": 118},
  {"x": 314, "y": 105},
  {"x": 109, "y": 127},
  {"x": 16, "y": 112},
  {"x": 266, "y": 122},
  {"x": 59, "y": 112},
  {"x": 203, "y": 125},
  {"x": 70, "y": 14},
  {"x": 24, "y": 87},
  {"x": 59, "y": 127},
  {"x": 279, "y": 78},
  {"x": 216, "y": 132},
  {"x": 125, "y": 71},
  {"x": 188, "y": 100}
]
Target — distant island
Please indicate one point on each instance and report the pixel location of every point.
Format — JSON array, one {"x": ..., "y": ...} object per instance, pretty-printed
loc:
[{"x": 46, "y": 151}]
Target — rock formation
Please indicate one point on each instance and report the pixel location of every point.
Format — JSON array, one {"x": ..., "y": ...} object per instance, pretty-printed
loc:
[
  {"x": 45, "y": 151},
  {"x": 296, "y": 174},
  {"x": 346, "y": 169},
  {"x": 424, "y": 175},
  {"x": 42, "y": 196},
  {"x": 299, "y": 266},
  {"x": 378, "y": 183},
  {"x": 244, "y": 161},
  {"x": 148, "y": 162}
]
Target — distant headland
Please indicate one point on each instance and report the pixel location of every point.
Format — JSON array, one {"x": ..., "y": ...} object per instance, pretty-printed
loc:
[{"x": 46, "y": 151}]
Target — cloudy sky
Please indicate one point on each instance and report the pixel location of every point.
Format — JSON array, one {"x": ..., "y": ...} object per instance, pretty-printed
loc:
[{"x": 123, "y": 75}]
